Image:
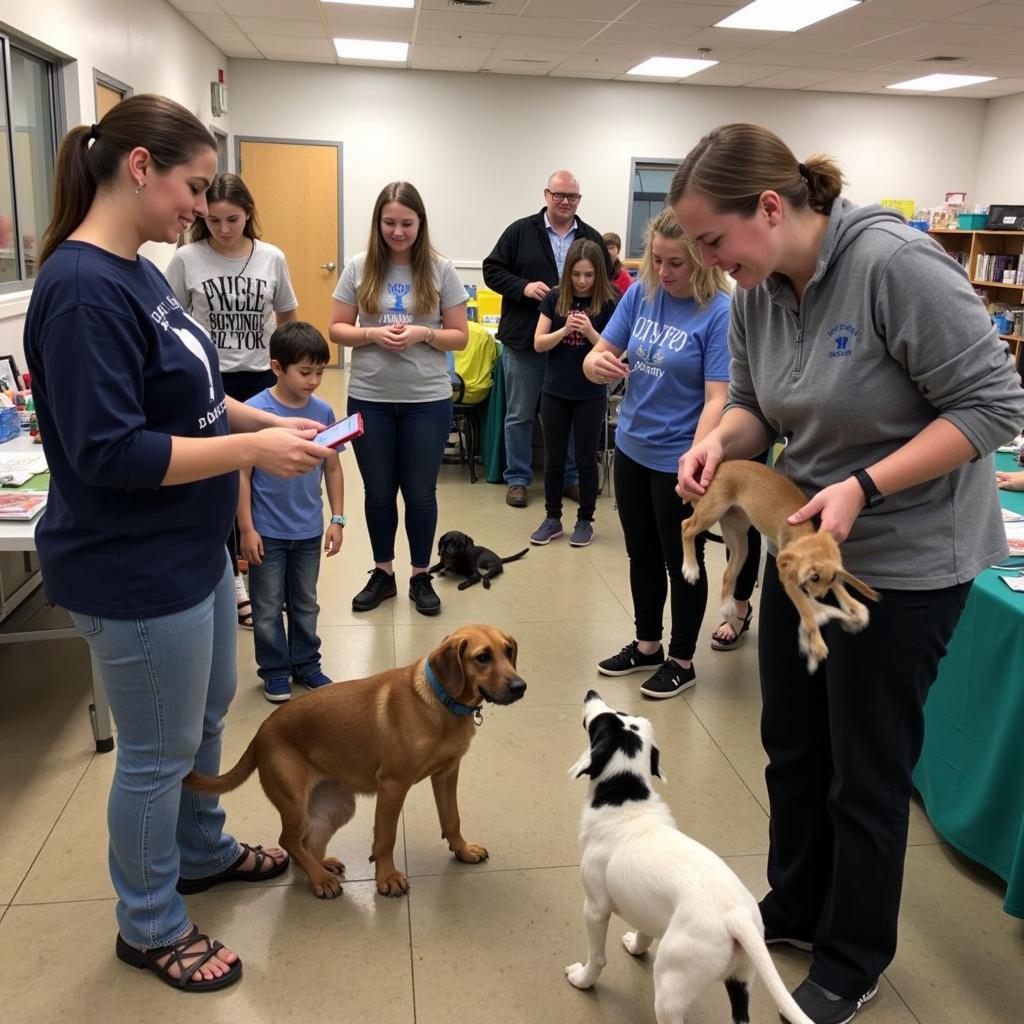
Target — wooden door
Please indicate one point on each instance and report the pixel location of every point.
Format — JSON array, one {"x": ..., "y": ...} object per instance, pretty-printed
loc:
[
  {"x": 297, "y": 188},
  {"x": 106, "y": 98}
]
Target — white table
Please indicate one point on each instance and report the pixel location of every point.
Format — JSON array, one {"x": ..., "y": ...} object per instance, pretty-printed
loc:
[{"x": 18, "y": 607}]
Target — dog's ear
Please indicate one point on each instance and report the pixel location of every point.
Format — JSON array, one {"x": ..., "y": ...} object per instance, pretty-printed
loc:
[
  {"x": 582, "y": 765},
  {"x": 468, "y": 541},
  {"x": 446, "y": 661},
  {"x": 655, "y": 764},
  {"x": 514, "y": 644},
  {"x": 859, "y": 585},
  {"x": 604, "y": 742},
  {"x": 786, "y": 562}
]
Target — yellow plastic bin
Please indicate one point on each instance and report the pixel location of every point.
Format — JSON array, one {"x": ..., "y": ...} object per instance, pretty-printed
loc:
[{"x": 488, "y": 306}]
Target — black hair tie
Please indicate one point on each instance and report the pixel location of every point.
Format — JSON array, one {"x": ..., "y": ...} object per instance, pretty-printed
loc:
[
  {"x": 804, "y": 173},
  {"x": 94, "y": 132}
]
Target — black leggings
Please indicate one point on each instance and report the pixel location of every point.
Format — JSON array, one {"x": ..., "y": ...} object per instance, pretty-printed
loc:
[
  {"x": 652, "y": 516},
  {"x": 560, "y": 416},
  {"x": 841, "y": 745}
]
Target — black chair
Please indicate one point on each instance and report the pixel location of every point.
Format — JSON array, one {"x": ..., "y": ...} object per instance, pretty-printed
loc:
[{"x": 465, "y": 421}]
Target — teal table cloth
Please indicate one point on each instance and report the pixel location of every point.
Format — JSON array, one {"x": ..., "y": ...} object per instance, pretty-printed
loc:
[{"x": 971, "y": 771}]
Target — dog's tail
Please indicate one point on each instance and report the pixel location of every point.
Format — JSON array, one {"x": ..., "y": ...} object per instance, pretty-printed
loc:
[
  {"x": 515, "y": 557},
  {"x": 745, "y": 931},
  {"x": 217, "y": 784}
]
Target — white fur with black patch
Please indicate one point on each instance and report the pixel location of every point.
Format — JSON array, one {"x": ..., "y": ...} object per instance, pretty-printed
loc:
[{"x": 636, "y": 863}]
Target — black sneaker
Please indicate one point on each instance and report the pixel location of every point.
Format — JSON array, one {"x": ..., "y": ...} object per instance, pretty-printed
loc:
[
  {"x": 669, "y": 680},
  {"x": 629, "y": 659},
  {"x": 824, "y": 1007},
  {"x": 379, "y": 587},
  {"x": 421, "y": 593}
]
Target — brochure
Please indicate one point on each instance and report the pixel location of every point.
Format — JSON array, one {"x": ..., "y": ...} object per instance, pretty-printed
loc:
[{"x": 21, "y": 505}]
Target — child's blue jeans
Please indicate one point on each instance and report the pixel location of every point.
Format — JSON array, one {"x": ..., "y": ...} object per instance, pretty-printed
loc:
[{"x": 284, "y": 583}]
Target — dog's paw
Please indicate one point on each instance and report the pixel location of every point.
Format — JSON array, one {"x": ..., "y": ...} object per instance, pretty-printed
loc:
[
  {"x": 394, "y": 883},
  {"x": 471, "y": 853},
  {"x": 728, "y": 609},
  {"x": 464, "y": 584},
  {"x": 691, "y": 573},
  {"x": 333, "y": 865},
  {"x": 816, "y": 653},
  {"x": 635, "y": 943},
  {"x": 578, "y": 976},
  {"x": 486, "y": 582},
  {"x": 857, "y": 619},
  {"x": 327, "y": 888}
]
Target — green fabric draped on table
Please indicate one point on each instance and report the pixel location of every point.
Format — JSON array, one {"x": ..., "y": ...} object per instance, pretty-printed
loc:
[{"x": 971, "y": 771}]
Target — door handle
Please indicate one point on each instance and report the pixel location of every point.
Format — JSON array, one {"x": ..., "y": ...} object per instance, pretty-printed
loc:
[{"x": 330, "y": 265}]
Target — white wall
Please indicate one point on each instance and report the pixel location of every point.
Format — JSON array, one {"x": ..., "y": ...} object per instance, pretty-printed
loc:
[
  {"x": 146, "y": 44},
  {"x": 1001, "y": 152},
  {"x": 480, "y": 147}
]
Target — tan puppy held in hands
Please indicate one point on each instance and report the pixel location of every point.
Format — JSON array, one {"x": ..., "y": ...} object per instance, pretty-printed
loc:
[
  {"x": 744, "y": 493},
  {"x": 380, "y": 735}
]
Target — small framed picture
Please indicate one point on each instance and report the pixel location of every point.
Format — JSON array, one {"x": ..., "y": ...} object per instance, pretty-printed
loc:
[
  {"x": 956, "y": 198},
  {"x": 9, "y": 374}
]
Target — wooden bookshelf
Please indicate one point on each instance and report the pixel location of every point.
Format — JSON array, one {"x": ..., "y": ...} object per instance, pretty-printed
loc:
[{"x": 970, "y": 246}]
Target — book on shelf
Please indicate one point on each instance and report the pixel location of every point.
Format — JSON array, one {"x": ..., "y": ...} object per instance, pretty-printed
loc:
[{"x": 21, "y": 505}]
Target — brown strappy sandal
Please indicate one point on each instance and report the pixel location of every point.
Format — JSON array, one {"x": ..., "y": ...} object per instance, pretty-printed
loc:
[
  {"x": 234, "y": 873},
  {"x": 150, "y": 960}
]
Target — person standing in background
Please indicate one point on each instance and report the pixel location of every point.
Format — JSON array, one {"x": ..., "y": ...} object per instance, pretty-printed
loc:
[
  {"x": 411, "y": 308},
  {"x": 524, "y": 265},
  {"x": 238, "y": 288},
  {"x": 620, "y": 275}
]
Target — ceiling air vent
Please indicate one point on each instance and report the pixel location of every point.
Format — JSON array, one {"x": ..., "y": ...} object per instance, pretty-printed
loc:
[
  {"x": 940, "y": 58},
  {"x": 470, "y": 3}
]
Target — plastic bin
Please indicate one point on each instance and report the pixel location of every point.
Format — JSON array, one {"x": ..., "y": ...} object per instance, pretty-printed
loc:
[
  {"x": 972, "y": 221},
  {"x": 921, "y": 225}
]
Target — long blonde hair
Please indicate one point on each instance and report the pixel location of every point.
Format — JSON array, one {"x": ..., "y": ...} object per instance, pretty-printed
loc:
[
  {"x": 425, "y": 296},
  {"x": 602, "y": 293},
  {"x": 705, "y": 282},
  {"x": 735, "y": 163}
]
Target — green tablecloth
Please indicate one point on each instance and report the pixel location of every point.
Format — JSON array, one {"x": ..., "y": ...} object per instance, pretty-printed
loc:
[
  {"x": 492, "y": 439},
  {"x": 971, "y": 771}
]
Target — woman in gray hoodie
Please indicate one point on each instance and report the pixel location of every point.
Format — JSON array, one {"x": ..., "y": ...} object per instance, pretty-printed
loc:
[{"x": 856, "y": 340}]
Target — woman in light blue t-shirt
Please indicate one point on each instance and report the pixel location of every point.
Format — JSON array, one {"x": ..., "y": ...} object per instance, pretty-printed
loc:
[
  {"x": 673, "y": 328},
  {"x": 411, "y": 310}
]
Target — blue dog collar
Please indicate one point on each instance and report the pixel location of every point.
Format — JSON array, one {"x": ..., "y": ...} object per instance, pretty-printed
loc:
[{"x": 447, "y": 699}]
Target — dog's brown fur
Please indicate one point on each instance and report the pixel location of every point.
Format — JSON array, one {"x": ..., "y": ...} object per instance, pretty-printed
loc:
[
  {"x": 809, "y": 562},
  {"x": 382, "y": 735}
]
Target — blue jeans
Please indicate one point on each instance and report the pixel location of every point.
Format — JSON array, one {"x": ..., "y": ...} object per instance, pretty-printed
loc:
[
  {"x": 524, "y": 375},
  {"x": 401, "y": 449},
  {"x": 285, "y": 580},
  {"x": 169, "y": 680}
]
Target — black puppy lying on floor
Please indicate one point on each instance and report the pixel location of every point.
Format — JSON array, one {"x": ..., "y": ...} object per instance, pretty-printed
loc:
[{"x": 457, "y": 553}]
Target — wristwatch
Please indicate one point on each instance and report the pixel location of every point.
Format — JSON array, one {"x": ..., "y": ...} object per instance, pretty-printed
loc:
[
  {"x": 339, "y": 520},
  {"x": 428, "y": 338},
  {"x": 872, "y": 494}
]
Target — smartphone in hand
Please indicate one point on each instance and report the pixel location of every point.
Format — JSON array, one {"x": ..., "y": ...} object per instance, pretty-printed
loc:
[{"x": 338, "y": 433}]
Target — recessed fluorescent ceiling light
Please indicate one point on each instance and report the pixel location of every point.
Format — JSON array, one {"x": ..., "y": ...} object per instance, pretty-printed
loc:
[
  {"x": 372, "y": 3},
  {"x": 671, "y": 67},
  {"x": 371, "y": 49},
  {"x": 936, "y": 83},
  {"x": 784, "y": 15}
]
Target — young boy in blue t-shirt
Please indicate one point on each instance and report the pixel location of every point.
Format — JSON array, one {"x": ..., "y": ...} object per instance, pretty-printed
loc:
[{"x": 280, "y": 523}]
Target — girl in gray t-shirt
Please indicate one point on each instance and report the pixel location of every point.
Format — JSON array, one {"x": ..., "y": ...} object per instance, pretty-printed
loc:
[{"x": 401, "y": 308}]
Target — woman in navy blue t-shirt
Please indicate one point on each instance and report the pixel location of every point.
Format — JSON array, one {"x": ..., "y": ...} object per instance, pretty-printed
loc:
[
  {"x": 144, "y": 448},
  {"x": 571, "y": 319}
]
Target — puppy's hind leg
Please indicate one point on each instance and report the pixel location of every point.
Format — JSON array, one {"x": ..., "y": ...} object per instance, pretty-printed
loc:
[
  {"x": 596, "y": 917},
  {"x": 734, "y": 525},
  {"x": 469, "y": 581},
  {"x": 331, "y": 806},
  {"x": 739, "y": 999},
  {"x": 636, "y": 943}
]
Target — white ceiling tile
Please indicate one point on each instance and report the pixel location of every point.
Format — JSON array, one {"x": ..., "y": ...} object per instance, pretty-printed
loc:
[
  {"x": 281, "y": 27},
  {"x": 471, "y": 40},
  {"x": 635, "y": 32},
  {"x": 519, "y": 67},
  {"x": 347, "y": 19},
  {"x": 731, "y": 38},
  {"x": 672, "y": 13},
  {"x": 604, "y": 76},
  {"x": 299, "y": 10},
  {"x": 447, "y": 58},
  {"x": 602, "y": 45},
  {"x": 233, "y": 44},
  {"x": 212, "y": 22},
  {"x": 197, "y": 6},
  {"x": 283, "y": 47},
  {"x": 393, "y": 35},
  {"x": 562, "y": 28},
  {"x": 926, "y": 10},
  {"x": 540, "y": 44},
  {"x": 735, "y": 74},
  {"x": 606, "y": 10},
  {"x": 603, "y": 64},
  {"x": 499, "y": 7},
  {"x": 863, "y": 81},
  {"x": 793, "y": 78},
  {"x": 450, "y": 20}
]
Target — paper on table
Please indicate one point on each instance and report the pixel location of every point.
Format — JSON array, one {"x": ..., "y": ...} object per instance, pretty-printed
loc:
[{"x": 1014, "y": 583}]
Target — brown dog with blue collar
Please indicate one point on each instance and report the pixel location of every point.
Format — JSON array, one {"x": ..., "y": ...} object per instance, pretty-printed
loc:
[{"x": 381, "y": 735}]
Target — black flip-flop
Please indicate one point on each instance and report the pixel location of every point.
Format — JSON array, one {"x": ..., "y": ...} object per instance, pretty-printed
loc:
[
  {"x": 245, "y": 617},
  {"x": 190, "y": 886},
  {"x": 739, "y": 627}
]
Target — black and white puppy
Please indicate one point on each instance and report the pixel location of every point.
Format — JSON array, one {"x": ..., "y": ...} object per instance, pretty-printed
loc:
[
  {"x": 637, "y": 864},
  {"x": 456, "y": 552}
]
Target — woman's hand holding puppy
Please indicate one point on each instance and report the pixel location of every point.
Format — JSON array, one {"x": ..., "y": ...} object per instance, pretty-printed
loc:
[{"x": 838, "y": 505}]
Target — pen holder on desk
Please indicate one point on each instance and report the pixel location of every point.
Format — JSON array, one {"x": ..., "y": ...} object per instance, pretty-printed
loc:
[{"x": 10, "y": 424}]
